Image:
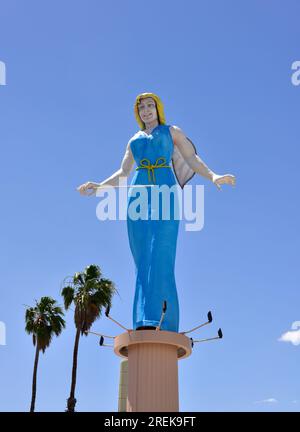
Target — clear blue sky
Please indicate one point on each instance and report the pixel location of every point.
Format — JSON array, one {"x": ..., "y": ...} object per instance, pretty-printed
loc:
[{"x": 223, "y": 71}]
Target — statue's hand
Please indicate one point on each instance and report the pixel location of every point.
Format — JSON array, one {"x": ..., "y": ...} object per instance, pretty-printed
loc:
[
  {"x": 223, "y": 179},
  {"x": 88, "y": 188}
]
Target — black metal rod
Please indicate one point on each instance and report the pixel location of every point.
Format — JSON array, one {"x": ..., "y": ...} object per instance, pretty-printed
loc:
[
  {"x": 209, "y": 317},
  {"x": 162, "y": 315}
]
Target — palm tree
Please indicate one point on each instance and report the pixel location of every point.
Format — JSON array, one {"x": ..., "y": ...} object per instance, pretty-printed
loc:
[
  {"x": 89, "y": 292},
  {"x": 43, "y": 321}
]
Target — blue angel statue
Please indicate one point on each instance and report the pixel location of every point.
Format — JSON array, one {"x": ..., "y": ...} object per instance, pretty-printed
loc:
[{"x": 153, "y": 240}]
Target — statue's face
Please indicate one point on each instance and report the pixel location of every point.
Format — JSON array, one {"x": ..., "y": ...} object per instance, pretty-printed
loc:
[{"x": 147, "y": 110}]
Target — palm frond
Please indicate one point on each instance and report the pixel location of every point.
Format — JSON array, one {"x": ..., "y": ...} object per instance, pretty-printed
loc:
[
  {"x": 92, "y": 272},
  {"x": 68, "y": 296}
]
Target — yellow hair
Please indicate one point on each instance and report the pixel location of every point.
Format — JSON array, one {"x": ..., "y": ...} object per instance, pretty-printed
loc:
[{"x": 159, "y": 106}]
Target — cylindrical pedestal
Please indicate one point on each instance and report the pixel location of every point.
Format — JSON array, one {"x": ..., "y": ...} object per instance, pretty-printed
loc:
[
  {"x": 123, "y": 386},
  {"x": 152, "y": 368}
]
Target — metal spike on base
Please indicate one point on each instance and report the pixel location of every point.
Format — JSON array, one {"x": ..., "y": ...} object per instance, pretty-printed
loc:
[
  {"x": 101, "y": 342},
  {"x": 220, "y": 335},
  {"x": 162, "y": 315},
  {"x": 108, "y": 316},
  {"x": 209, "y": 318},
  {"x": 99, "y": 334}
]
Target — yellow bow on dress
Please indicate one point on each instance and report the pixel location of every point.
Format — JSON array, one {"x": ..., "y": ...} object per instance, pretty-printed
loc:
[{"x": 145, "y": 163}]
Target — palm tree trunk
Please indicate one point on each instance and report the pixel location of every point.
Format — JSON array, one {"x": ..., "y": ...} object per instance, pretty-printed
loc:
[
  {"x": 36, "y": 362},
  {"x": 72, "y": 400}
]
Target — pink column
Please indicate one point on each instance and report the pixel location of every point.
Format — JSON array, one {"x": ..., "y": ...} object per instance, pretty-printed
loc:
[{"x": 152, "y": 368}]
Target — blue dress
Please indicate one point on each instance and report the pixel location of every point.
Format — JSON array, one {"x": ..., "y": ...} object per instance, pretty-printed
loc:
[{"x": 152, "y": 239}]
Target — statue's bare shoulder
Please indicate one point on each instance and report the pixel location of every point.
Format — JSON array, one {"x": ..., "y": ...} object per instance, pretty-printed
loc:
[{"x": 176, "y": 133}]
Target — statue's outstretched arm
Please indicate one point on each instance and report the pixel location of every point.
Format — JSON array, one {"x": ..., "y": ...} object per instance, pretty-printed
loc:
[
  {"x": 127, "y": 163},
  {"x": 194, "y": 161},
  {"x": 124, "y": 171}
]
